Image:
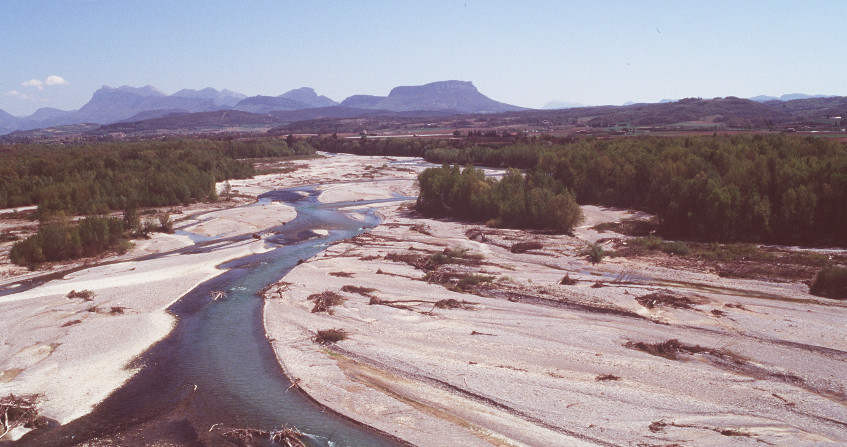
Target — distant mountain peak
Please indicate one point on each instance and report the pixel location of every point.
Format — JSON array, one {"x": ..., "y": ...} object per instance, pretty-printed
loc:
[
  {"x": 147, "y": 90},
  {"x": 307, "y": 96},
  {"x": 787, "y": 97},
  {"x": 225, "y": 98},
  {"x": 552, "y": 105},
  {"x": 435, "y": 88},
  {"x": 456, "y": 96}
]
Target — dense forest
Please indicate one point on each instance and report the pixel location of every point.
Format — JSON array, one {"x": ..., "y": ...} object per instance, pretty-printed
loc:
[
  {"x": 780, "y": 189},
  {"x": 99, "y": 177},
  {"x": 758, "y": 188},
  {"x": 762, "y": 188},
  {"x": 95, "y": 179}
]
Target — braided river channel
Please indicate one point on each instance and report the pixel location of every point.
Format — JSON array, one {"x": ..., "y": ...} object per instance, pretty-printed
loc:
[{"x": 217, "y": 369}]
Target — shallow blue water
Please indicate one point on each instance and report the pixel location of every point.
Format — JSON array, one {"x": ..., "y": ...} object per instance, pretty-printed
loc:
[{"x": 217, "y": 366}]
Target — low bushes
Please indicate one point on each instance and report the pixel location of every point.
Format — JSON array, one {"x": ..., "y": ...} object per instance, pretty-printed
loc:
[{"x": 831, "y": 282}]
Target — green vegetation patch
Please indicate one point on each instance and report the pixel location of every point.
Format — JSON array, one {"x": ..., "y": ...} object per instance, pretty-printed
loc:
[
  {"x": 831, "y": 282},
  {"x": 534, "y": 200},
  {"x": 59, "y": 238},
  {"x": 94, "y": 178},
  {"x": 594, "y": 252}
]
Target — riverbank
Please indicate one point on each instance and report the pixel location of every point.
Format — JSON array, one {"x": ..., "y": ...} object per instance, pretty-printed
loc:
[
  {"x": 453, "y": 337},
  {"x": 72, "y": 340},
  {"x": 74, "y": 351},
  {"x": 490, "y": 346}
]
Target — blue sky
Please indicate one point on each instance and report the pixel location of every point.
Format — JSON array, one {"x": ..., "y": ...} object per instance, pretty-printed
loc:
[{"x": 520, "y": 52}]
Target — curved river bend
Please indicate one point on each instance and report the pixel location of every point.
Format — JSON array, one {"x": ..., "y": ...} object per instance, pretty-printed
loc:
[{"x": 216, "y": 366}]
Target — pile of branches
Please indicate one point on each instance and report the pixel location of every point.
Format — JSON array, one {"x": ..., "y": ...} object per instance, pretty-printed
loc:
[
  {"x": 325, "y": 300},
  {"x": 289, "y": 437},
  {"x": 665, "y": 297},
  {"x": 86, "y": 294},
  {"x": 19, "y": 411}
]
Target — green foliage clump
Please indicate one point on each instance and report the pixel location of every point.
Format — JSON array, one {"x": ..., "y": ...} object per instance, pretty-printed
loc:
[
  {"x": 59, "y": 239},
  {"x": 533, "y": 200},
  {"x": 733, "y": 252},
  {"x": 595, "y": 253},
  {"x": 676, "y": 248},
  {"x": 831, "y": 282},
  {"x": 653, "y": 242}
]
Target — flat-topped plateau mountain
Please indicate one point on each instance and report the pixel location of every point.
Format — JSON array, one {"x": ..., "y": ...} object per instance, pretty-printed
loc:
[
  {"x": 143, "y": 111},
  {"x": 111, "y": 105}
]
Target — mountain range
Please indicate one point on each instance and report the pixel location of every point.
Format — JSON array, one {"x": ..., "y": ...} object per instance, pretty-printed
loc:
[{"x": 111, "y": 105}]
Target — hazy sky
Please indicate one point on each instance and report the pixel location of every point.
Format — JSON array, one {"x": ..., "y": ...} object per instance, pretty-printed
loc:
[{"x": 56, "y": 54}]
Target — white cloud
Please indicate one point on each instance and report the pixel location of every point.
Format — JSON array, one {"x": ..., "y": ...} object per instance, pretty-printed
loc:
[
  {"x": 17, "y": 94},
  {"x": 37, "y": 83},
  {"x": 55, "y": 80},
  {"x": 51, "y": 80}
]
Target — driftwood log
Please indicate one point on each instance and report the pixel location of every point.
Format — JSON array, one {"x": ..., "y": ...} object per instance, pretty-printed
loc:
[
  {"x": 19, "y": 411},
  {"x": 289, "y": 437}
]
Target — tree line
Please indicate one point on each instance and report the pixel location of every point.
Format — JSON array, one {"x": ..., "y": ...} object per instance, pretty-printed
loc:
[
  {"x": 94, "y": 179},
  {"x": 759, "y": 188},
  {"x": 98, "y": 177},
  {"x": 782, "y": 189}
]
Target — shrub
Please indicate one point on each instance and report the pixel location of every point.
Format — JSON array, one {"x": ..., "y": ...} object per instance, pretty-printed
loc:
[
  {"x": 595, "y": 253},
  {"x": 732, "y": 252},
  {"x": 831, "y": 282},
  {"x": 676, "y": 248},
  {"x": 59, "y": 238},
  {"x": 166, "y": 225},
  {"x": 651, "y": 242},
  {"x": 123, "y": 246}
]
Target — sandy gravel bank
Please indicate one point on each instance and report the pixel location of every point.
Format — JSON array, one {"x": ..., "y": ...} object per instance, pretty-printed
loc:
[
  {"x": 524, "y": 360},
  {"x": 75, "y": 351},
  {"x": 488, "y": 348}
]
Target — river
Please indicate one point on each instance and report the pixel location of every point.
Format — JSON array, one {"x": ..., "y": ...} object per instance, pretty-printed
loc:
[{"x": 216, "y": 369}]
